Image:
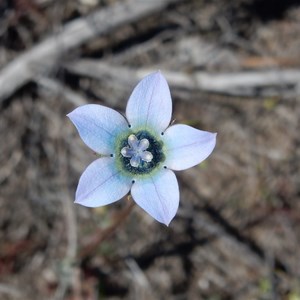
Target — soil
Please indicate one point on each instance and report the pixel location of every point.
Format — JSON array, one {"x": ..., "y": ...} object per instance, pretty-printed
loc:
[{"x": 237, "y": 232}]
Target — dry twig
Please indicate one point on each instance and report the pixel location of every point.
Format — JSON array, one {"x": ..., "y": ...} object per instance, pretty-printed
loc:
[
  {"x": 46, "y": 54},
  {"x": 53, "y": 86},
  {"x": 10, "y": 290},
  {"x": 262, "y": 83}
]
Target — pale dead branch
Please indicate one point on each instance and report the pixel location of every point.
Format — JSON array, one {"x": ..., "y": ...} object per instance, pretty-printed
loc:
[
  {"x": 46, "y": 54},
  {"x": 10, "y": 290},
  {"x": 247, "y": 83},
  {"x": 53, "y": 86}
]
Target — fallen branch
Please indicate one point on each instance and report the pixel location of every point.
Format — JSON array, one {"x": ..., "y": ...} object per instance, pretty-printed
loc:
[
  {"x": 59, "y": 90},
  {"x": 47, "y": 53},
  {"x": 10, "y": 290},
  {"x": 247, "y": 84}
]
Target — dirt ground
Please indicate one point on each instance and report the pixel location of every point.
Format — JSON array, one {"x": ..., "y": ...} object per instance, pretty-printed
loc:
[{"x": 237, "y": 232}]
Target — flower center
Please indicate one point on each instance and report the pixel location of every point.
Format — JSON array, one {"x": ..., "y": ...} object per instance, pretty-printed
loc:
[
  {"x": 136, "y": 151},
  {"x": 139, "y": 153}
]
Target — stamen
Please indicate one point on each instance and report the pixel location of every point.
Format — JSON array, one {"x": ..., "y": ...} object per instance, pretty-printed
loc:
[
  {"x": 136, "y": 151},
  {"x": 143, "y": 144},
  {"x": 146, "y": 156},
  {"x": 135, "y": 161},
  {"x": 127, "y": 152},
  {"x": 133, "y": 141}
]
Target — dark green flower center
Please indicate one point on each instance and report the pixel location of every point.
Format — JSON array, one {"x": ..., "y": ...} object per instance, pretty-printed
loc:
[{"x": 140, "y": 152}]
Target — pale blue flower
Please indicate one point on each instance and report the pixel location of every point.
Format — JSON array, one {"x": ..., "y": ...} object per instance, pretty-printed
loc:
[{"x": 139, "y": 152}]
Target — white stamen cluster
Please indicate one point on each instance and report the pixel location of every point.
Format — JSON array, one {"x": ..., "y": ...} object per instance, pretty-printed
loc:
[{"x": 136, "y": 151}]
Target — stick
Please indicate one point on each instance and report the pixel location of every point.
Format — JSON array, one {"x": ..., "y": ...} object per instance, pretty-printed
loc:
[
  {"x": 31, "y": 63},
  {"x": 53, "y": 86},
  {"x": 251, "y": 83}
]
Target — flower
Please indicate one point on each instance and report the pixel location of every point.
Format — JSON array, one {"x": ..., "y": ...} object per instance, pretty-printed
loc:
[{"x": 138, "y": 153}]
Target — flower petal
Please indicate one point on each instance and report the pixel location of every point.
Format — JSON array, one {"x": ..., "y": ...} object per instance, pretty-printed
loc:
[
  {"x": 158, "y": 195},
  {"x": 98, "y": 126},
  {"x": 150, "y": 103},
  {"x": 101, "y": 183},
  {"x": 187, "y": 146}
]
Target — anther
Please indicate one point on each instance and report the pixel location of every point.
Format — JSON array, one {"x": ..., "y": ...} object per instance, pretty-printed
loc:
[{"x": 136, "y": 151}]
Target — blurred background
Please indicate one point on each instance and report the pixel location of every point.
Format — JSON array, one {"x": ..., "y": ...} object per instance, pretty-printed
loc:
[{"x": 233, "y": 68}]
